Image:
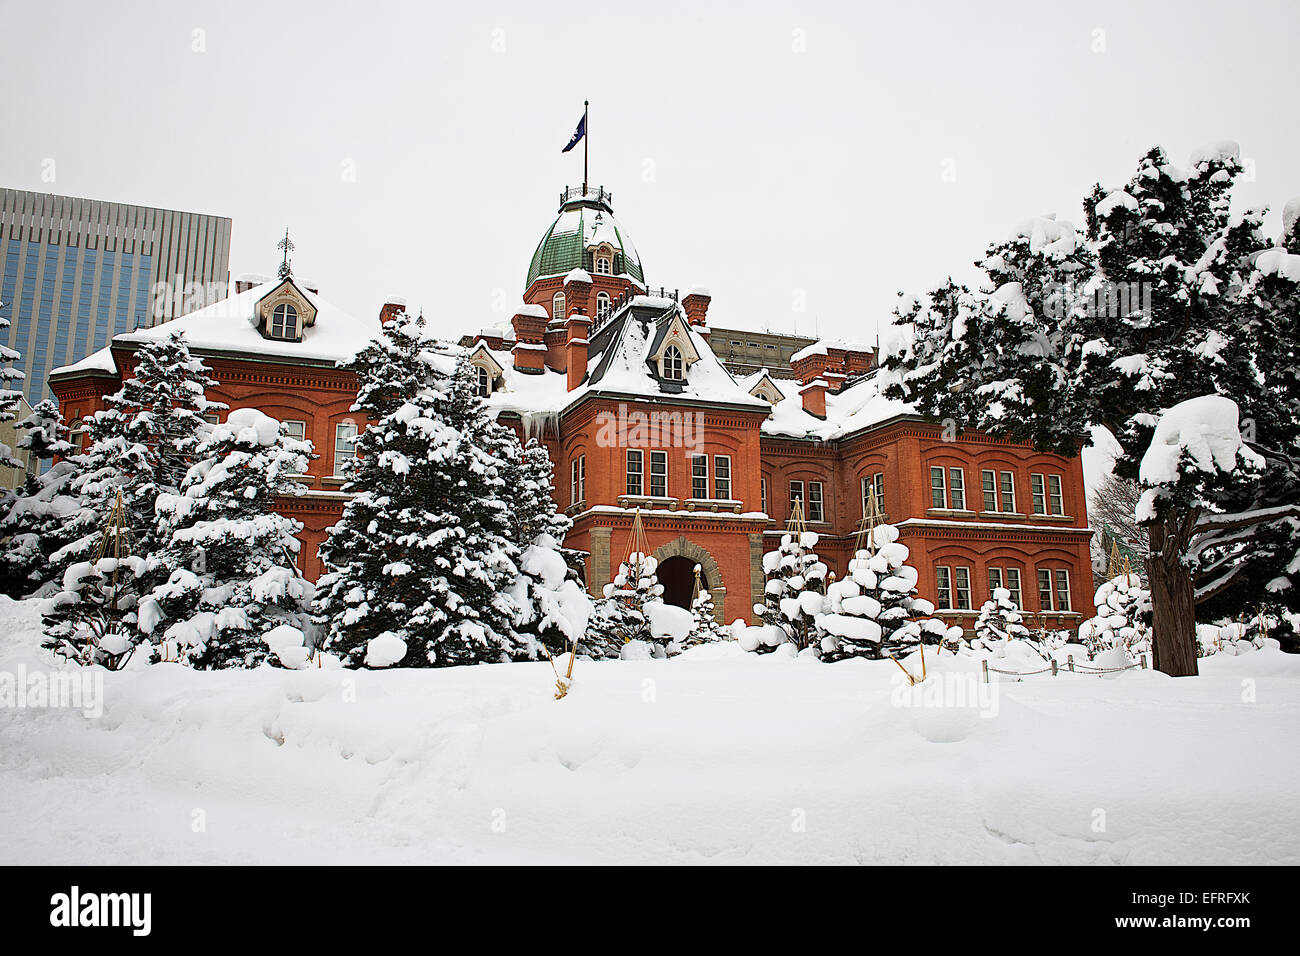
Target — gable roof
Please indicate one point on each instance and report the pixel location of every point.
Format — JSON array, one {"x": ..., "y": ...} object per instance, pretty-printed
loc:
[{"x": 229, "y": 327}]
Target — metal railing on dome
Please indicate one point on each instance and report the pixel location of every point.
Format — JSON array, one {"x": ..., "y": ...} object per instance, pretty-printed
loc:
[{"x": 598, "y": 193}]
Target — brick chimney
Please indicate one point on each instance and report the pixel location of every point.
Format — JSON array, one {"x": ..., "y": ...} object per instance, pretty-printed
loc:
[
  {"x": 858, "y": 361},
  {"x": 576, "y": 330},
  {"x": 814, "y": 397},
  {"x": 809, "y": 363},
  {"x": 529, "y": 352},
  {"x": 391, "y": 309},
  {"x": 696, "y": 305}
]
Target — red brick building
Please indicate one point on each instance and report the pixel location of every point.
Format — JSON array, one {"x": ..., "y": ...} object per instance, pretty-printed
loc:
[{"x": 621, "y": 385}]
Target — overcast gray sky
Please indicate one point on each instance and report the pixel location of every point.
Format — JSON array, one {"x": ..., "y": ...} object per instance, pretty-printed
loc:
[{"x": 803, "y": 161}]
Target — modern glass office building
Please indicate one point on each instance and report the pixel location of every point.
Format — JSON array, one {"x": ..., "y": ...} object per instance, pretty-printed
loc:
[{"x": 76, "y": 272}]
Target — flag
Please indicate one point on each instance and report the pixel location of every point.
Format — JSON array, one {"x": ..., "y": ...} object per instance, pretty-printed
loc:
[{"x": 578, "y": 133}]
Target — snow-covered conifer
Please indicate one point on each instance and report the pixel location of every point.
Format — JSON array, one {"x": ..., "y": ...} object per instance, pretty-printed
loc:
[
  {"x": 233, "y": 595},
  {"x": 635, "y": 585},
  {"x": 551, "y": 605},
  {"x": 35, "y": 522},
  {"x": 1000, "y": 621},
  {"x": 140, "y": 446},
  {"x": 794, "y": 594},
  {"x": 1123, "y": 609},
  {"x": 10, "y": 394},
  {"x": 873, "y": 611},
  {"x": 423, "y": 555}
]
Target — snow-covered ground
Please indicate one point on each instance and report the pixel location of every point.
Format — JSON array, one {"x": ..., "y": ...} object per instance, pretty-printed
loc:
[{"x": 714, "y": 757}]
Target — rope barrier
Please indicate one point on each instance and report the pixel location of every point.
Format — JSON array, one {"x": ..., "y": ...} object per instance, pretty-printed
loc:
[{"x": 1070, "y": 668}]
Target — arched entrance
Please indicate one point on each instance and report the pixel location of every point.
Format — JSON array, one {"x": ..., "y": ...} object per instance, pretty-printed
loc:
[
  {"x": 672, "y": 572},
  {"x": 677, "y": 575}
]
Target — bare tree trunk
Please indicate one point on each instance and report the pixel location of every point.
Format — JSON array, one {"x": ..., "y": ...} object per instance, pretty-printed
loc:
[{"x": 1173, "y": 602}]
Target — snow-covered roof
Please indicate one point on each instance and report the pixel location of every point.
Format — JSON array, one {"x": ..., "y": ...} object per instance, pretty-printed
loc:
[
  {"x": 857, "y": 407},
  {"x": 230, "y": 327}
]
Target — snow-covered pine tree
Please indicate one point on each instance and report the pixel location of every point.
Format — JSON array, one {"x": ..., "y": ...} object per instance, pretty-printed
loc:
[
  {"x": 635, "y": 585},
  {"x": 795, "y": 591},
  {"x": 1248, "y": 557},
  {"x": 92, "y": 618},
  {"x": 873, "y": 611},
  {"x": 140, "y": 446},
  {"x": 1000, "y": 621},
  {"x": 10, "y": 396},
  {"x": 233, "y": 595},
  {"x": 707, "y": 629},
  {"x": 420, "y": 564},
  {"x": 1123, "y": 609},
  {"x": 35, "y": 524},
  {"x": 552, "y": 607},
  {"x": 1148, "y": 314}
]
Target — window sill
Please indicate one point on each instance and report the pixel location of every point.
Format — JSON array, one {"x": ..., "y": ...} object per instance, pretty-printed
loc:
[
  {"x": 950, "y": 512},
  {"x": 714, "y": 504},
  {"x": 1047, "y": 517},
  {"x": 334, "y": 481},
  {"x": 1003, "y": 514},
  {"x": 647, "y": 501}
]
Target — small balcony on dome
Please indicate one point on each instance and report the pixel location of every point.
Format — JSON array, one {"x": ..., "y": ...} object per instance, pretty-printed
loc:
[{"x": 590, "y": 196}]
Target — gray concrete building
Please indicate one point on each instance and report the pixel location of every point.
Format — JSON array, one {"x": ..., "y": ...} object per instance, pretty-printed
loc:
[
  {"x": 745, "y": 353},
  {"x": 76, "y": 272}
]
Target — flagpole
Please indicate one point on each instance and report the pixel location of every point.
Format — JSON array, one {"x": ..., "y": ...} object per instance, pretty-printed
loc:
[{"x": 586, "y": 138}]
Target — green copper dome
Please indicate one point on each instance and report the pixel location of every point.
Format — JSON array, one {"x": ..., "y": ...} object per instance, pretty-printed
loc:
[{"x": 585, "y": 220}]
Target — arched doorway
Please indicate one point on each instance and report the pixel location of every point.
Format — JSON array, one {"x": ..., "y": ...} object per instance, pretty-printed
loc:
[
  {"x": 691, "y": 554},
  {"x": 677, "y": 575}
]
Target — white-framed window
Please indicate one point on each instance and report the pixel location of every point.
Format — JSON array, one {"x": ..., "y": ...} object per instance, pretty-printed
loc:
[
  {"x": 602, "y": 305},
  {"x": 816, "y": 502},
  {"x": 699, "y": 476},
  {"x": 1013, "y": 585},
  {"x": 953, "y": 587},
  {"x": 943, "y": 577},
  {"x": 722, "y": 477},
  {"x": 284, "y": 322},
  {"x": 635, "y": 471},
  {"x": 938, "y": 488},
  {"x": 961, "y": 588},
  {"x": 1045, "y": 589},
  {"x": 603, "y": 266},
  {"x": 1008, "y": 578},
  {"x": 1062, "y": 589},
  {"x": 1038, "y": 493},
  {"x": 483, "y": 382},
  {"x": 1007, "y": 490},
  {"x": 762, "y": 495},
  {"x": 796, "y": 494},
  {"x": 659, "y": 474},
  {"x": 212, "y": 418},
  {"x": 873, "y": 485},
  {"x": 345, "y": 445},
  {"x": 557, "y": 306},
  {"x": 1055, "y": 498},
  {"x": 989, "y": 481},
  {"x": 957, "y": 489},
  {"x": 672, "y": 363},
  {"x": 295, "y": 429},
  {"x": 578, "y": 479}
]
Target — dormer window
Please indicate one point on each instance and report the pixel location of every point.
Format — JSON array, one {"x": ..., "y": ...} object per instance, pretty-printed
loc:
[
  {"x": 284, "y": 322},
  {"x": 603, "y": 266},
  {"x": 672, "y": 363},
  {"x": 557, "y": 307},
  {"x": 484, "y": 388},
  {"x": 602, "y": 306}
]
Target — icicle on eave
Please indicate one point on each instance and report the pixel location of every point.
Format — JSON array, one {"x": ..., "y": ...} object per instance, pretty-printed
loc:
[{"x": 534, "y": 423}]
